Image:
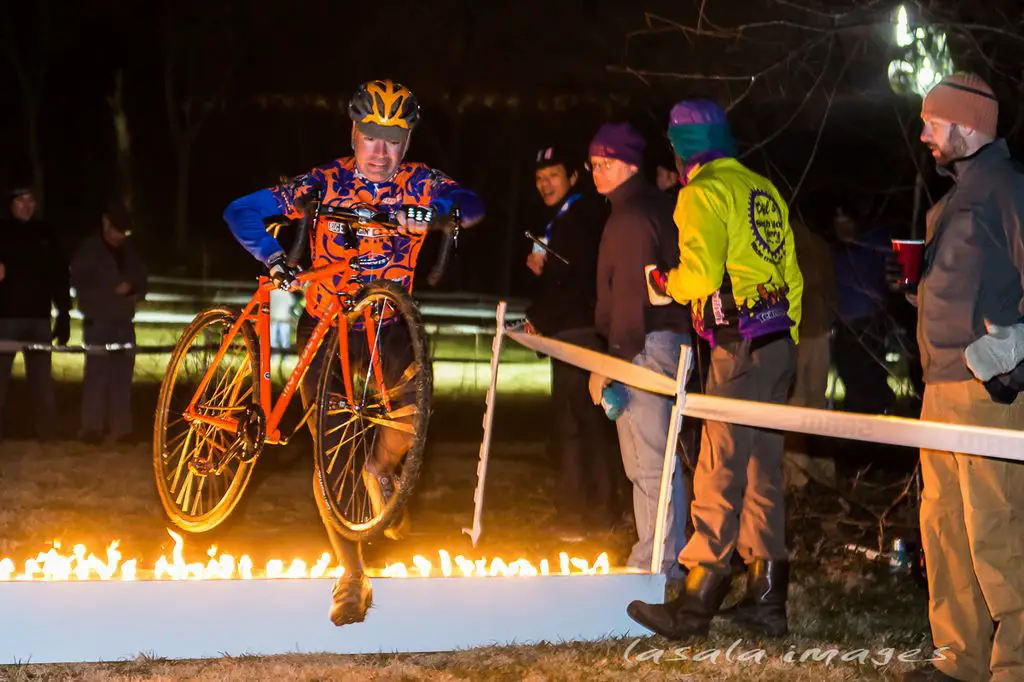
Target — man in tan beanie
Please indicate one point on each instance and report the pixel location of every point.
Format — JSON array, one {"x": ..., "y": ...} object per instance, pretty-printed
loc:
[{"x": 971, "y": 297}]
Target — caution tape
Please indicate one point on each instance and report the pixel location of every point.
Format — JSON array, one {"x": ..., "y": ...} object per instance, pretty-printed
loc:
[{"x": 911, "y": 433}]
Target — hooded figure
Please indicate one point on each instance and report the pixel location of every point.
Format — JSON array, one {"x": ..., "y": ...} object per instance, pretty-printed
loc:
[{"x": 737, "y": 269}]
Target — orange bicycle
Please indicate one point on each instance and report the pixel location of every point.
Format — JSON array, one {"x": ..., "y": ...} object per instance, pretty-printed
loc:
[{"x": 215, "y": 411}]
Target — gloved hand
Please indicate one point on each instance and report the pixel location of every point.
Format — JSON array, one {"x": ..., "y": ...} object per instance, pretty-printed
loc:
[
  {"x": 62, "y": 328},
  {"x": 416, "y": 219},
  {"x": 894, "y": 277},
  {"x": 657, "y": 285},
  {"x": 996, "y": 353},
  {"x": 282, "y": 273}
]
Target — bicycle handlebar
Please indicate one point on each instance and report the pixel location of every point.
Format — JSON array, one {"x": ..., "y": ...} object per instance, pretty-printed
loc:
[
  {"x": 307, "y": 219},
  {"x": 384, "y": 220}
]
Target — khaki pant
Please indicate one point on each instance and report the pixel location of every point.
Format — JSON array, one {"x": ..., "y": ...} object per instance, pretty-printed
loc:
[
  {"x": 972, "y": 526},
  {"x": 812, "y": 363},
  {"x": 813, "y": 357},
  {"x": 738, "y": 499}
]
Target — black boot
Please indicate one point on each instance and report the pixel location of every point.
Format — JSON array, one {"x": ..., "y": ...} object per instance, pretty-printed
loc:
[
  {"x": 763, "y": 609},
  {"x": 691, "y": 612}
]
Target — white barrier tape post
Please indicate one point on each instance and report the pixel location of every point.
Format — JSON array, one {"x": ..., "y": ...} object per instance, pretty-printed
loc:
[
  {"x": 668, "y": 468},
  {"x": 485, "y": 445},
  {"x": 912, "y": 433}
]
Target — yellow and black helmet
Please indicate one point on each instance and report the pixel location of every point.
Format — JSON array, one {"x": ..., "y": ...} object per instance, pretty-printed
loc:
[{"x": 384, "y": 108}]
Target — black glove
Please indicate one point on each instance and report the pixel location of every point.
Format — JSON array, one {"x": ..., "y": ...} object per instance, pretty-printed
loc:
[
  {"x": 282, "y": 273},
  {"x": 62, "y": 328},
  {"x": 894, "y": 277}
]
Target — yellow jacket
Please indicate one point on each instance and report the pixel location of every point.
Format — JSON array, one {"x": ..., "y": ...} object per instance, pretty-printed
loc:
[{"x": 737, "y": 262}]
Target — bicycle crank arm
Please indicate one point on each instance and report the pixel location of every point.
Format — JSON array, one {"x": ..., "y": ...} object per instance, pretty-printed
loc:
[{"x": 230, "y": 425}]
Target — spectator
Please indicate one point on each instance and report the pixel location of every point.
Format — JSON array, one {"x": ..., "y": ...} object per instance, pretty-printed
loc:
[
  {"x": 860, "y": 341},
  {"x": 639, "y": 232},
  {"x": 282, "y": 318},
  {"x": 33, "y": 277},
  {"x": 972, "y": 508},
  {"x": 739, "y": 273},
  {"x": 666, "y": 175},
  {"x": 109, "y": 279},
  {"x": 813, "y": 359},
  {"x": 582, "y": 439}
]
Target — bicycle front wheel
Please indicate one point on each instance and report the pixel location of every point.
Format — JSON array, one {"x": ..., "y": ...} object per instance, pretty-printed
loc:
[
  {"x": 201, "y": 469},
  {"x": 373, "y": 410}
]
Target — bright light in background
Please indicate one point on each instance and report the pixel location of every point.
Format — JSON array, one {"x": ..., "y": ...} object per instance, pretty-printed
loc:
[{"x": 925, "y": 60}]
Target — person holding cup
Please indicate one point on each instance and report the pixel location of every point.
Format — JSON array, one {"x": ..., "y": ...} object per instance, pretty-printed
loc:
[{"x": 970, "y": 299}]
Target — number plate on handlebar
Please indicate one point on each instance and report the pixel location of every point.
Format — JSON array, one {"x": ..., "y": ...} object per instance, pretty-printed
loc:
[{"x": 357, "y": 214}]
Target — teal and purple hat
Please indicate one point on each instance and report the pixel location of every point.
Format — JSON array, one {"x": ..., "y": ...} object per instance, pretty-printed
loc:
[{"x": 699, "y": 127}]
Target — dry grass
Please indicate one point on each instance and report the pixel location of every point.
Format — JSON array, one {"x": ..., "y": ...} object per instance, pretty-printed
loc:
[{"x": 594, "y": 661}]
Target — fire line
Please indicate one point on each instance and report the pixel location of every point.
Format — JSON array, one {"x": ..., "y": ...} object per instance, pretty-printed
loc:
[{"x": 80, "y": 564}]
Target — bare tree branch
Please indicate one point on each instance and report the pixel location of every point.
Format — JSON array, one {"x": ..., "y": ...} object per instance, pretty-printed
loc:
[
  {"x": 821, "y": 130},
  {"x": 800, "y": 107}
]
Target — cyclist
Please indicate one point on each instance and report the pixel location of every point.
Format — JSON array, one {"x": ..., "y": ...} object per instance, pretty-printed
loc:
[{"x": 384, "y": 114}]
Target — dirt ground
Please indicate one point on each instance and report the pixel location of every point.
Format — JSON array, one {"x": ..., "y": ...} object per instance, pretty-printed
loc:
[{"x": 851, "y": 618}]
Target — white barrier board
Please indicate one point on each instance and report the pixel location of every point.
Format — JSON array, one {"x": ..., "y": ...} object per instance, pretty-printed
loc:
[{"x": 80, "y": 621}]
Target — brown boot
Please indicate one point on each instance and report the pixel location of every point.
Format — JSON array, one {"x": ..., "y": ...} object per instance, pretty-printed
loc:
[
  {"x": 689, "y": 614},
  {"x": 763, "y": 609},
  {"x": 351, "y": 598}
]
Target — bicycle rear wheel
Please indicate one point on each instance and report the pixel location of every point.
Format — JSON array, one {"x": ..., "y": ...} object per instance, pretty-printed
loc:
[
  {"x": 201, "y": 470},
  {"x": 373, "y": 410}
]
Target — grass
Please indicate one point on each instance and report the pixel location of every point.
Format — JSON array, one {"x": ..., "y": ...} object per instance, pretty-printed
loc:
[{"x": 592, "y": 661}]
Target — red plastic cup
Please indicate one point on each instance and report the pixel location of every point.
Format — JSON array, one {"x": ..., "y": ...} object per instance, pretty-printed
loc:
[{"x": 910, "y": 254}]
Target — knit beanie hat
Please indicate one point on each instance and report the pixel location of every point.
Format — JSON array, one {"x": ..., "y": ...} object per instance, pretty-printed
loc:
[
  {"x": 966, "y": 99},
  {"x": 619, "y": 141},
  {"x": 699, "y": 126}
]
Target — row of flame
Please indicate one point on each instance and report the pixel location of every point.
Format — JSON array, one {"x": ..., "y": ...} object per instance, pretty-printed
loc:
[{"x": 53, "y": 565}]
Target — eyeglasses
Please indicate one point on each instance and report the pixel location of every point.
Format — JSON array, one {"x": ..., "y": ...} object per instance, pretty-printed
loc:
[{"x": 603, "y": 166}]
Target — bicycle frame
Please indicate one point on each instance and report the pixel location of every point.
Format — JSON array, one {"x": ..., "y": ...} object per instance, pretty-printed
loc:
[{"x": 258, "y": 312}]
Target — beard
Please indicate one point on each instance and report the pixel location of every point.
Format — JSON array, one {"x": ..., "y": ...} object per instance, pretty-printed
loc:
[{"x": 954, "y": 148}]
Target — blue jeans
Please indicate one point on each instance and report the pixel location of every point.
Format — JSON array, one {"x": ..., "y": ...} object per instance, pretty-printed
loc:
[
  {"x": 281, "y": 335},
  {"x": 643, "y": 432},
  {"x": 107, "y": 387},
  {"x": 37, "y": 372}
]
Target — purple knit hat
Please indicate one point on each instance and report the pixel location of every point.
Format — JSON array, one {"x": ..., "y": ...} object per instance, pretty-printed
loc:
[
  {"x": 696, "y": 112},
  {"x": 619, "y": 141}
]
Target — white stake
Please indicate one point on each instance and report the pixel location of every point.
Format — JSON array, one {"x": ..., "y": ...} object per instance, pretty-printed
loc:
[
  {"x": 668, "y": 469},
  {"x": 485, "y": 445}
]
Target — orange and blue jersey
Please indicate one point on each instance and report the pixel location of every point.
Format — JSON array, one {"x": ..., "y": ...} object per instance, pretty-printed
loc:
[{"x": 378, "y": 254}]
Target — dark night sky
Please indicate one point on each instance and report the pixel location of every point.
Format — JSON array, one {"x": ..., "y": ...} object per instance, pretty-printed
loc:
[{"x": 444, "y": 50}]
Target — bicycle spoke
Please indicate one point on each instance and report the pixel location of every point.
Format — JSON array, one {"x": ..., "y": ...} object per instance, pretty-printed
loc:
[
  {"x": 391, "y": 424},
  {"x": 183, "y": 495},
  {"x": 338, "y": 447},
  {"x": 181, "y": 460}
]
